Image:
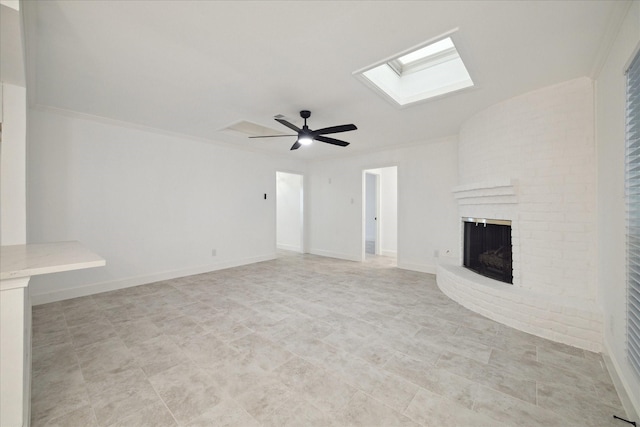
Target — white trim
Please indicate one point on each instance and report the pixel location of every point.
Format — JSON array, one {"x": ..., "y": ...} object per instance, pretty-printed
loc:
[
  {"x": 14, "y": 283},
  {"x": 96, "y": 288},
  {"x": 627, "y": 64},
  {"x": 331, "y": 254},
  {"x": 389, "y": 253},
  {"x": 407, "y": 51},
  {"x": 303, "y": 212},
  {"x": 107, "y": 121},
  {"x": 496, "y": 183},
  {"x": 416, "y": 143},
  {"x": 621, "y": 384},
  {"x": 13, "y": 4},
  {"x": 613, "y": 27},
  {"x": 377, "y": 242},
  {"x": 285, "y": 247},
  {"x": 29, "y": 17},
  {"x": 421, "y": 268},
  {"x": 378, "y": 217},
  {"x": 398, "y": 100},
  {"x": 499, "y": 191}
]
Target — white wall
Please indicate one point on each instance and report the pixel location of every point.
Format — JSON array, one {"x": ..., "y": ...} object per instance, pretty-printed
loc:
[
  {"x": 13, "y": 116},
  {"x": 289, "y": 208},
  {"x": 610, "y": 137},
  {"x": 12, "y": 166},
  {"x": 154, "y": 206},
  {"x": 371, "y": 206},
  {"x": 389, "y": 211},
  {"x": 427, "y": 213}
]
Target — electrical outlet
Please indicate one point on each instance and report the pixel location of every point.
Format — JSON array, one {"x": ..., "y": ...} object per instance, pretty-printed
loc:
[{"x": 214, "y": 252}]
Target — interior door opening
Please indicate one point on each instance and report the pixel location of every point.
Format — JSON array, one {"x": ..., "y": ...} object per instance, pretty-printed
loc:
[
  {"x": 289, "y": 211},
  {"x": 380, "y": 213},
  {"x": 372, "y": 231}
]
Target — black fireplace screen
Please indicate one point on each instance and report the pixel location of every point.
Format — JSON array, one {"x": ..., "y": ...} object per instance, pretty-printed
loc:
[{"x": 487, "y": 250}]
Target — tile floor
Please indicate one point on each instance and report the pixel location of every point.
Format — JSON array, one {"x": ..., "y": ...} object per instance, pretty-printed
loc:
[{"x": 303, "y": 341}]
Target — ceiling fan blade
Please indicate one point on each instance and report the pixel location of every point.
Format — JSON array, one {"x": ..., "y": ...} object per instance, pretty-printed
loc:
[
  {"x": 270, "y": 136},
  {"x": 331, "y": 141},
  {"x": 289, "y": 125},
  {"x": 295, "y": 146},
  {"x": 335, "y": 129}
]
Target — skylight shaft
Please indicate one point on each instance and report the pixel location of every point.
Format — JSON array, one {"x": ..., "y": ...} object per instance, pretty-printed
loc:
[
  {"x": 428, "y": 71},
  {"x": 426, "y": 51}
]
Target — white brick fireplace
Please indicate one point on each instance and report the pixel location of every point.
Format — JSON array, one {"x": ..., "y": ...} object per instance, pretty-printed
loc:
[{"x": 531, "y": 160}]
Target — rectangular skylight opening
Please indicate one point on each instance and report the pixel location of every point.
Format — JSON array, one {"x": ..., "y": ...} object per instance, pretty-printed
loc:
[{"x": 427, "y": 71}]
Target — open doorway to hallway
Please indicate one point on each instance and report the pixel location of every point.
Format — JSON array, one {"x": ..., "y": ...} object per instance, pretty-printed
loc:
[
  {"x": 289, "y": 212},
  {"x": 380, "y": 214}
]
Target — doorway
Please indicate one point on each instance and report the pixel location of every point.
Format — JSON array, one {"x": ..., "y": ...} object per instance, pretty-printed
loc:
[
  {"x": 380, "y": 213},
  {"x": 289, "y": 211},
  {"x": 372, "y": 231}
]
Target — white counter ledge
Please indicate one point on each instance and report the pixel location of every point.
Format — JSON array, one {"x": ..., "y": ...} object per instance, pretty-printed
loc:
[
  {"x": 17, "y": 264},
  {"x": 42, "y": 258}
]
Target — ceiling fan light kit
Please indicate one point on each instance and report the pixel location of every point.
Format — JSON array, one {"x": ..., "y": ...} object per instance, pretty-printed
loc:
[
  {"x": 306, "y": 136},
  {"x": 305, "y": 140}
]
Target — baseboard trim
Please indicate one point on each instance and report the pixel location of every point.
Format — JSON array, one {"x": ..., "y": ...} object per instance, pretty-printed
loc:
[
  {"x": 330, "y": 254},
  {"x": 622, "y": 387},
  {"x": 388, "y": 253},
  {"x": 112, "y": 285},
  {"x": 292, "y": 248},
  {"x": 421, "y": 268}
]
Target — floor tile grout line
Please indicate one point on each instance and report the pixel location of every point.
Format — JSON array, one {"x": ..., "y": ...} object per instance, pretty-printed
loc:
[
  {"x": 160, "y": 397},
  {"x": 79, "y": 367},
  {"x": 409, "y": 405},
  {"x": 358, "y": 316},
  {"x": 384, "y": 404}
]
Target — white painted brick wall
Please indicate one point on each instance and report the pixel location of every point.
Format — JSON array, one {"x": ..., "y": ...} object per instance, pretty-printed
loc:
[
  {"x": 544, "y": 142},
  {"x": 524, "y": 309}
]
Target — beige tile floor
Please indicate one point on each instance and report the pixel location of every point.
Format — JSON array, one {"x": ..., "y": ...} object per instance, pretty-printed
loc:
[{"x": 303, "y": 341}]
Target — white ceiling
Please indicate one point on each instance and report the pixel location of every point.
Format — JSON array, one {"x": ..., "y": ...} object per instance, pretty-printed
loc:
[{"x": 195, "y": 67}]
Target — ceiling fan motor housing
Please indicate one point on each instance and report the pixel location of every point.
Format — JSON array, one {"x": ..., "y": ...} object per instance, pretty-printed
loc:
[{"x": 305, "y": 133}]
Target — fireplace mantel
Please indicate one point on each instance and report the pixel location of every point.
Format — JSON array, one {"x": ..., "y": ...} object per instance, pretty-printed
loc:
[{"x": 503, "y": 191}]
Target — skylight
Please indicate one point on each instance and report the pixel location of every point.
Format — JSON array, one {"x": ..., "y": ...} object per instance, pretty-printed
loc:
[{"x": 425, "y": 72}]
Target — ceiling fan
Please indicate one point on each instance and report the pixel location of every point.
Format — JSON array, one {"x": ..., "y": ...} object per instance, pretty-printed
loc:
[{"x": 306, "y": 136}]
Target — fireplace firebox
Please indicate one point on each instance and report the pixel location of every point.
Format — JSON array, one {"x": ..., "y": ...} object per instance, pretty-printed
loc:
[{"x": 487, "y": 248}]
